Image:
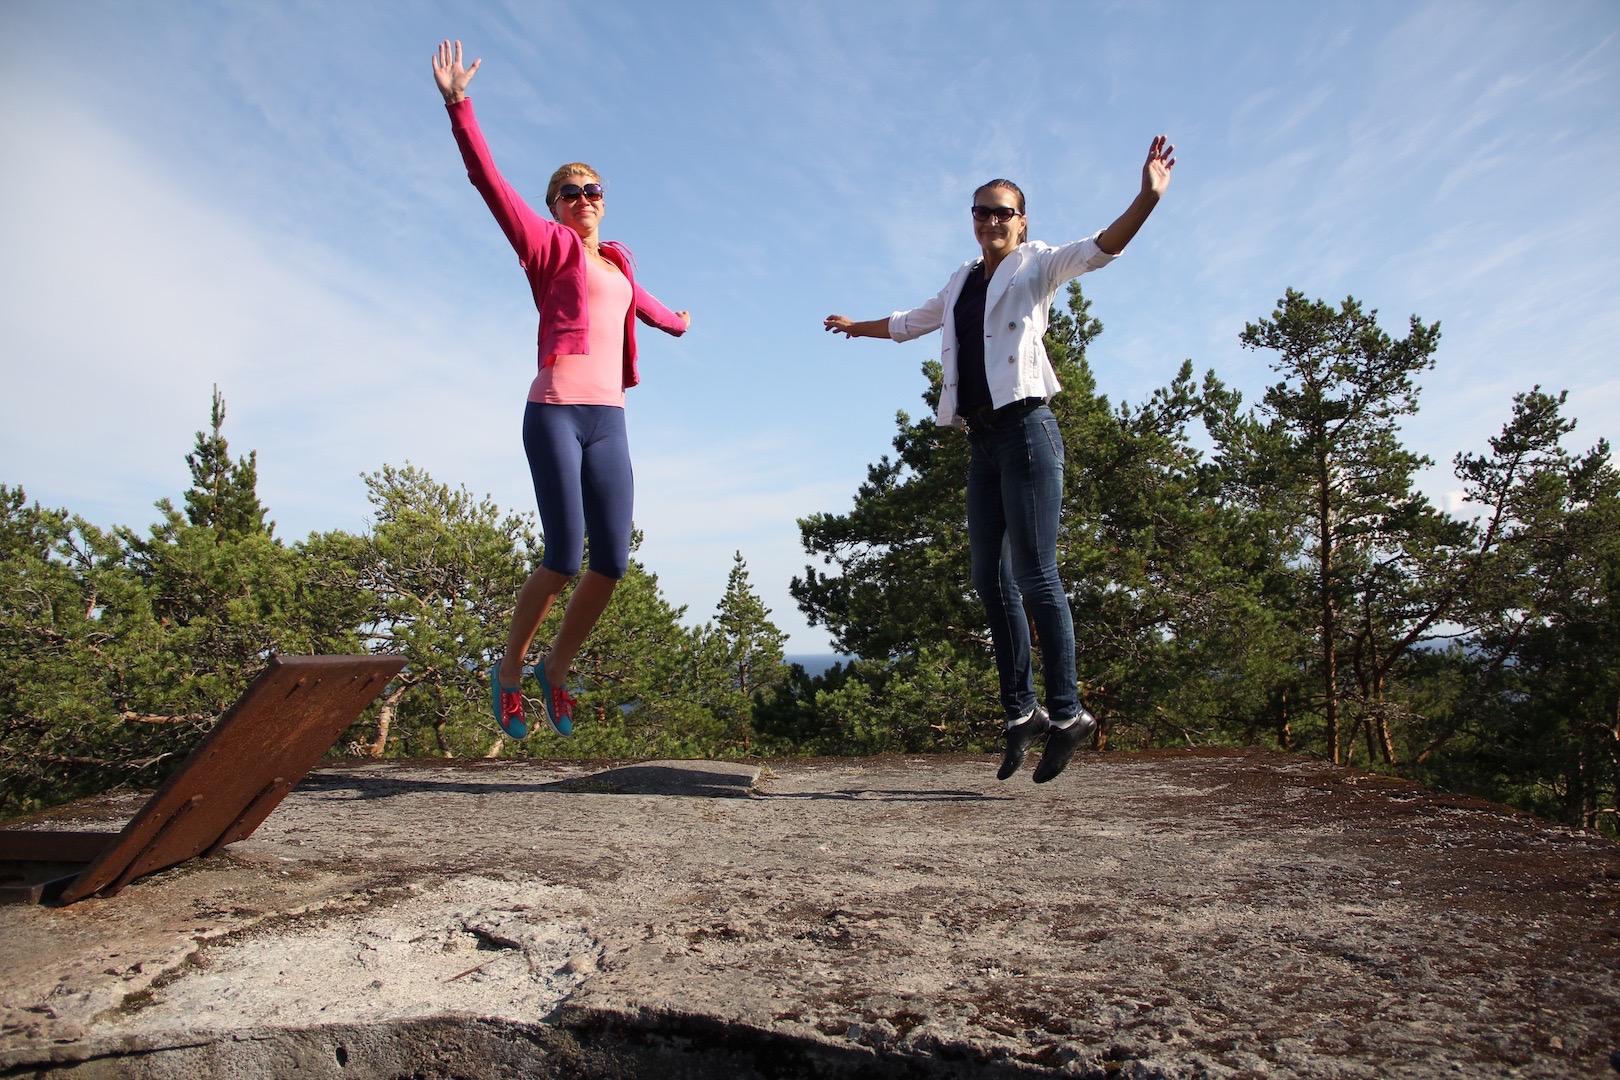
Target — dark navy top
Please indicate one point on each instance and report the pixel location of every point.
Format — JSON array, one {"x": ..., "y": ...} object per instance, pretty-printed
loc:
[{"x": 972, "y": 388}]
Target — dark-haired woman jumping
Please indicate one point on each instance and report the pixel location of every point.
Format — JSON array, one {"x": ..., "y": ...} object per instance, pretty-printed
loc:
[{"x": 997, "y": 379}]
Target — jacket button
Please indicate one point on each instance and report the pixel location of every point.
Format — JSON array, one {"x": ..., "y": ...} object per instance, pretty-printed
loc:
[
  {"x": 1012, "y": 326},
  {"x": 1012, "y": 360}
]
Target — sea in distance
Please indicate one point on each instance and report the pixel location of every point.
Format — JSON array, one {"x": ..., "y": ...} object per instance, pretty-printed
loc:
[{"x": 816, "y": 663}]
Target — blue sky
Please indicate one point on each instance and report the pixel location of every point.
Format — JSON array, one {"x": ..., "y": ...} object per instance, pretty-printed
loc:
[{"x": 266, "y": 196}]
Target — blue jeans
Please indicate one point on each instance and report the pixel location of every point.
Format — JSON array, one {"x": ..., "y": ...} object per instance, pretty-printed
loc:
[{"x": 1014, "y": 496}]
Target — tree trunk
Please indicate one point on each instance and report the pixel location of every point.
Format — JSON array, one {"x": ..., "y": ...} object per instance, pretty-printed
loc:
[
  {"x": 1578, "y": 803},
  {"x": 1378, "y": 718},
  {"x": 1330, "y": 654},
  {"x": 385, "y": 719}
]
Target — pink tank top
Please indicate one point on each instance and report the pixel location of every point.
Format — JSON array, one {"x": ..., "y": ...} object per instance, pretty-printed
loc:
[{"x": 598, "y": 377}]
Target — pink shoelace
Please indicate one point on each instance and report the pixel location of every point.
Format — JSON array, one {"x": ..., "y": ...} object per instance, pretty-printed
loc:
[
  {"x": 511, "y": 705},
  {"x": 562, "y": 704}
]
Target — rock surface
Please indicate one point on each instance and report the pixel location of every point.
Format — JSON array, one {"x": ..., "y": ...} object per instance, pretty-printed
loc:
[{"x": 1186, "y": 914}]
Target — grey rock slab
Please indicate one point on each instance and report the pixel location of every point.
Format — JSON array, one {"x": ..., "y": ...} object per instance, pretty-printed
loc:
[{"x": 1236, "y": 913}]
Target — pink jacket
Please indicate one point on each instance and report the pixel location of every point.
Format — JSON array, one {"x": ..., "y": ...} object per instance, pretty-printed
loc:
[{"x": 553, "y": 259}]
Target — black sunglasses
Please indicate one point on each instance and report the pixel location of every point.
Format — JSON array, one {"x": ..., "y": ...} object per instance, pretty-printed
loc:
[
  {"x": 571, "y": 192},
  {"x": 998, "y": 214}
]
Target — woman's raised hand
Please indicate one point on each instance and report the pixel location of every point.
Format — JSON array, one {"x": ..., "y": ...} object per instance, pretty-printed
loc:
[
  {"x": 449, "y": 74},
  {"x": 1155, "y": 181},
  {"x": 1156, "y": 171}
]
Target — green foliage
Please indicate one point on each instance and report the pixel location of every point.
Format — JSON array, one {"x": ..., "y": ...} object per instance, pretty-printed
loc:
[
  {"x": 54, "y": 700},
  {"x": 1238, "y": 575},
  {"x": 218, "y": 595},
  {"x": 901, "y": 552},
  {"x": 1171, "y": 638},
  {"x": 120, "y": 651},
  {"x": 437, "y": 578},
  {"x": 645, "y": 690},
  {"x": 224, "y": 496},
  {"x": 930, "y": 701},
  {"x": 1535, "y": 699}
]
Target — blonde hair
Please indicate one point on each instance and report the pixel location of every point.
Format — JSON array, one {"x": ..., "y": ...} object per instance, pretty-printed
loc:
[{"x": 573, "y": 168}]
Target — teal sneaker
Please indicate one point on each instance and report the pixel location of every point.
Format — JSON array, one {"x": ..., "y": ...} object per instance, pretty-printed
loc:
[
  {"x": 507, "y": 704},
  {"x": 559, "y": 703}
]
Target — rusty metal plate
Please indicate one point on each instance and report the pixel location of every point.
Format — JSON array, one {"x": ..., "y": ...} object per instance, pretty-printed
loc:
[
  {"x": 241, "y": 770},
  {"x": 36, "y": 865}
]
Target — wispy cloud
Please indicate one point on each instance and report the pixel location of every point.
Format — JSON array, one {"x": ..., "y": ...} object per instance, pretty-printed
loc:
[{"x": 129, "y": 296}]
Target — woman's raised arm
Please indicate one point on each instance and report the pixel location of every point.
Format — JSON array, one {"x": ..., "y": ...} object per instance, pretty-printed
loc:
[{"x": 1155, "y": 181}]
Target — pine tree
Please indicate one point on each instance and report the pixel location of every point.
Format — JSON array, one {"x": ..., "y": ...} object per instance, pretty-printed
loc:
[
  {"x": 742, "y": 656},
  {"x": 753, "y": 644},
  {"x": 224, "y": 494},
  {"x": 1535, "y": 717},
  {"x": 118, "y": 650},
  {"x": 1173, "y": 642},
  {"x": 223, "y": 594},
  {"x": 1332, "y": 464},
  {"x": 436, "y": 577},
  {"x": 61, "y": 591}
]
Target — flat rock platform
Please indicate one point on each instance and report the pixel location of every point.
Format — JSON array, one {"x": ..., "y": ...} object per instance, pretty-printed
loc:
[{"x": 1168, "y": 914}]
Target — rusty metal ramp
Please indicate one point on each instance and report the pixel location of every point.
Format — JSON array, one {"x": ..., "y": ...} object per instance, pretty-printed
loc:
[{"x": 241, "y": 770}]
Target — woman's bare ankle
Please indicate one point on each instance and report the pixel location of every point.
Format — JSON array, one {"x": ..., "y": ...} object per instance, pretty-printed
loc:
[
  {"x": 553, "y": 676},
  {"x": 510, "y": 678}
]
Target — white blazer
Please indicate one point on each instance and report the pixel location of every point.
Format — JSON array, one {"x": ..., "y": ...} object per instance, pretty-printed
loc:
[{"x": 1015, "y": 307}]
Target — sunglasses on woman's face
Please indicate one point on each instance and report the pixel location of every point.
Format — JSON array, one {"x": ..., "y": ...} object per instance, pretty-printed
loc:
[
  {"x": 572, "y": 192},
  {"x": 998, "y": 214}
]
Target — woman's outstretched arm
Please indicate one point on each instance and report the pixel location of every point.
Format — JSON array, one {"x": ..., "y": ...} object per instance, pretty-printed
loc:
[
  {"x": 653, "y": 312},
  {"x": 1155, "y": 181},
  {"x": 838, "y": 324}
]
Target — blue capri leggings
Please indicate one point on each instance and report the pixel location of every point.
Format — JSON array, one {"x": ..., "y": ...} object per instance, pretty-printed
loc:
[{"x": 579, "y": 457}]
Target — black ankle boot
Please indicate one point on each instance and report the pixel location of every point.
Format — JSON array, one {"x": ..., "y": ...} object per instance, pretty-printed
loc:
[
  {"x": 1061, "y": 745},
  {"x": 1019, "y": 739}
]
